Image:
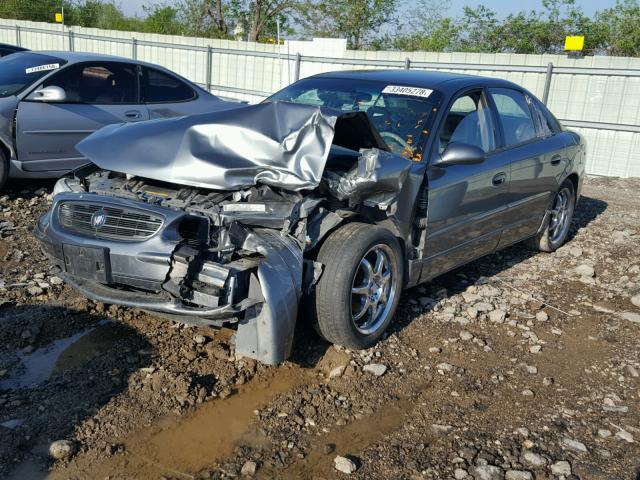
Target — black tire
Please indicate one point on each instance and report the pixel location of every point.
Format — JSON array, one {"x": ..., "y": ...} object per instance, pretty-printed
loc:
[
  {"x": 343, "y": 254},
  {"x": 549, "y": 240},
  {"x": 4, "y": 169}
]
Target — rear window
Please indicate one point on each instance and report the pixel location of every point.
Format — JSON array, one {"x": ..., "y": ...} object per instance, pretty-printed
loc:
[{"x": 21, "y": 70}]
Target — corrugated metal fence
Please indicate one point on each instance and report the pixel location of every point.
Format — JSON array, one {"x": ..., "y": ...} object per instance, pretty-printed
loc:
[{"x": 597, "y": 96}]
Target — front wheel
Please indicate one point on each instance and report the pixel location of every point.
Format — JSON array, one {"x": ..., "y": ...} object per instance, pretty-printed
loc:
[
  {"x": 556, "y": 228},
  {"x": 360, "y": 286}
]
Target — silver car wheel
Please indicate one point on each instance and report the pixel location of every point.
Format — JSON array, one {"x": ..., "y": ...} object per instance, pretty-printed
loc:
[
  {"x": 560, "y": 215},
  {"x": 373, "y": 289}
]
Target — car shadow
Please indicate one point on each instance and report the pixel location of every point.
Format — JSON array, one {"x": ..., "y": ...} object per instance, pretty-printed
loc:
[
  {"x": 309, "y": 349},
  {"x": 59, "y": 367}
]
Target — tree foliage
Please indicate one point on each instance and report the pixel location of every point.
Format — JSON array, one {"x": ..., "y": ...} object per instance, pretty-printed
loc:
[{"x": 378, "y": 24}]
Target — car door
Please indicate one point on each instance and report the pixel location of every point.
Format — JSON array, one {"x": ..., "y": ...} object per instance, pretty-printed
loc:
[
  {"x": 466, "y": 203},
  {"x": 166, "y": 95},
  {"x": 535, "y": 161},
  {"x": 96, "y": 94}
]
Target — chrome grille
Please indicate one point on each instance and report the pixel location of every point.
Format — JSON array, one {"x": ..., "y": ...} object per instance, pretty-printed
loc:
[{"x": 114, "y": 223}]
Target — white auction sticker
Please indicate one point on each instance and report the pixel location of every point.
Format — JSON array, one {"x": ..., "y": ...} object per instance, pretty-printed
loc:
[
  {"x": 43, "y": 68},
  {"x": 411, "y": 91}
]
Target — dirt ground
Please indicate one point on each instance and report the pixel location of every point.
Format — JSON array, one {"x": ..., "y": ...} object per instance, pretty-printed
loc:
[{"x": 519, "y": 366}]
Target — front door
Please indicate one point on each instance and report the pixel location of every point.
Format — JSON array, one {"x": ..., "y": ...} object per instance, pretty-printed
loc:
[
  {"x": 466, "y": 203},
  {"x": 97, "y": 94}
]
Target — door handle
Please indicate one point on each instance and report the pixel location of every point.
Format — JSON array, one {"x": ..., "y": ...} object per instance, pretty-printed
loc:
[
  {"x": 133, "y": 114},
  {"x": 499, "y": 178},
  {"x": 556, "y": 159}
]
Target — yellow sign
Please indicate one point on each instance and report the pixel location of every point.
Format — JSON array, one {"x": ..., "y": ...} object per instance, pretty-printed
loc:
[
  {"x": 58, "y": 17},
  {"x": 574, "y": 43}
]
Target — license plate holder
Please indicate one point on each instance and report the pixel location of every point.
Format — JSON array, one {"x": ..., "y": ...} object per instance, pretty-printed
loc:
[{"x": 87, "y": 262}]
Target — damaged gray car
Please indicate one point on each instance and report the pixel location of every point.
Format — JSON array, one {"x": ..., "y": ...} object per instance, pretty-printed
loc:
[{"x": 337, "y": 192}]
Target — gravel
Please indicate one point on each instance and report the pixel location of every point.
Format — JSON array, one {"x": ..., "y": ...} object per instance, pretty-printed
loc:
[{"x": 513, "y": 367}]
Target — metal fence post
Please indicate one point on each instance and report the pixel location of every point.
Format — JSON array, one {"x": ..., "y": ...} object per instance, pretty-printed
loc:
[
  {"x": 18, "y": 42},
  {"x": 547, "y": 83},
  {"x": 71, "y": 41},
  {"x": 407, "y": 63},
  {"x": 209, "y": 66},
  {"x": 296, "y": 72},
  {"x": 134, "y": 48}
]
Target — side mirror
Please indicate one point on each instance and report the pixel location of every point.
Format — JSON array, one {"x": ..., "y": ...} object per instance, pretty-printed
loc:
[
  {"x": 49, "y": 94},
  {"x": 458, "y": 153}
]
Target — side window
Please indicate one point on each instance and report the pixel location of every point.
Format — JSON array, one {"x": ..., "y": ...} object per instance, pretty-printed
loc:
[
  {"x": 550, "y": 124},
  {"x": 102, "y": 84},
  {"x": 159, "y": 87},
  {"x": 514, "y": 114},
  {"x": 468, "y": 121}
]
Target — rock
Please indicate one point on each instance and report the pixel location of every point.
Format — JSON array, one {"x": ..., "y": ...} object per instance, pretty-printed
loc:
[
  {"x": 561, "y": 467},
  {"x": 337, "y": 372},
  {"x": 344, "y": 465},
  {"x": 35, "y": 291},
  {"x": 487, "y": 472},
  {"x": 249, "y": 468},
  {"x": 575, "y": 445},
  {"x": 56, "y": 281},
  {"x": 518, "y": 475},
  {"x": 548, "y": 381},
  {"x": 604, "y": 433},
  {"x": 603, "y": 307},
  {"x": 633, "y": 371},
  {"x": 624, "y": 435},
  {"x": 460, "y": 474},
  {"x": 531, "y": 370},
  {"x": 631, "y": 317},
  {"x": 61, "y": 449},
  {"x": 466, "y": 336},
  {"x": 585, "y": 270},
  {"x": 199, "y": 339},
  {"x": 483, "y": 307},
  {"x": 636, "y": 300},
  {"x": 542, "y": 316},
  {"x": 535, "y": 348},
  {"x": 445, "y": 367},
  {"x": 527, "y": 393},
  {"x": 575, "y": 252},
  {"x": 377, "y": 369},
  {"x": 533, "y": 460},
  {"x": 497, "y": 316}
]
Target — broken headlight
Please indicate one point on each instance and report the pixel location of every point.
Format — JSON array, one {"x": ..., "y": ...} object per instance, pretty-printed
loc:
[{"x": 67, "y": 185}]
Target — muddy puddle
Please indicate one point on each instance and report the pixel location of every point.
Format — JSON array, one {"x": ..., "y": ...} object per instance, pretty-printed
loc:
[
  {"x": 33, "y": 369},
  {"x": 183, "y": 445}
]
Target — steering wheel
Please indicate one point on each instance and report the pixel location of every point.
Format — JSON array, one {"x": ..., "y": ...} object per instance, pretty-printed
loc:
[{"x": 392, "y": 139}]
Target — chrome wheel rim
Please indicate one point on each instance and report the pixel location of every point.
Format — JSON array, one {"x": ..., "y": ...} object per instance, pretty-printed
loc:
[
  {"x": 560, "y": 215},
  {"x": 373, "y": 289}
]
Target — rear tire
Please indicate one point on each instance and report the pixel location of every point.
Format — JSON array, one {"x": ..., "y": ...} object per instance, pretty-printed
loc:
[
  {"x": 4, "y": 169},
  {"x": 557, "y": 223},
  {"x": 358, "y": 292}
]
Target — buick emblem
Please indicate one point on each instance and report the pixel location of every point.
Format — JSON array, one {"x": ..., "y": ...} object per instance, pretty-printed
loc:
[{"x": 98, "y": 219}]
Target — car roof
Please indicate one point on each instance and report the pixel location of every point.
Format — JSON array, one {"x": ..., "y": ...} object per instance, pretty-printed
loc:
[
  {"x": 446, "y": 82},
  {"x": 77, "y": 57}
]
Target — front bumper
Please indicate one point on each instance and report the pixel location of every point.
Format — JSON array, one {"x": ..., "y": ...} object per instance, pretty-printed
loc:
[{"x": 160, "y": 274}]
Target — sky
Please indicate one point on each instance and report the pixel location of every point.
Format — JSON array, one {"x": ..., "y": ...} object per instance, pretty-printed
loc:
[{"x": 503, "y": 8}]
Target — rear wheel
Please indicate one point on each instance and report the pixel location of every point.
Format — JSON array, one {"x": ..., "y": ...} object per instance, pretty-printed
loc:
[
  {"x": 556, "y": 228},
  {"x": 360, "y": 286},
  {"x": 4, "y": 169}
]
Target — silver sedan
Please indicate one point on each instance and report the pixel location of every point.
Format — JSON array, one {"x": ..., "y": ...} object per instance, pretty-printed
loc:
[{"x": 49, "y": 101}]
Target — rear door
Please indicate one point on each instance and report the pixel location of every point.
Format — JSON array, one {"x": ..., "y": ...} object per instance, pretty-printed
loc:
[
  {"x": 97, "y": 94},
  {"x": 535, "y": 161},
  {"x": 466, "y": 203}
]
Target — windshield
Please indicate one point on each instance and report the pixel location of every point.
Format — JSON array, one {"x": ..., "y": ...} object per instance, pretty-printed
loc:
[
  {"x": 20, "y": 70},
  {"x": 401, "y": 114}
]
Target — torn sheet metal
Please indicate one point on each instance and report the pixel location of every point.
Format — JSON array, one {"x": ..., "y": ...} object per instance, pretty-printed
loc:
[
  {"x": 378, "y": 177},
  {"x": 279, "y": 144}
]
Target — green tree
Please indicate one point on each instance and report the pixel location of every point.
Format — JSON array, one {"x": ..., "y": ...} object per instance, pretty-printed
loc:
[
  {"x": 621, "y": 28},
  {"x": 359, "y": 21}
]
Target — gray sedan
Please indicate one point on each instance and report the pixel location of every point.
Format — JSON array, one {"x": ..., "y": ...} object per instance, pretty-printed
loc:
[{"x": 49, "y": 101}]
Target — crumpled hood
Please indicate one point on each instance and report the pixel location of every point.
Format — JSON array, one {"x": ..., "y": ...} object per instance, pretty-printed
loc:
[{"x": 278, "y": 144}]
